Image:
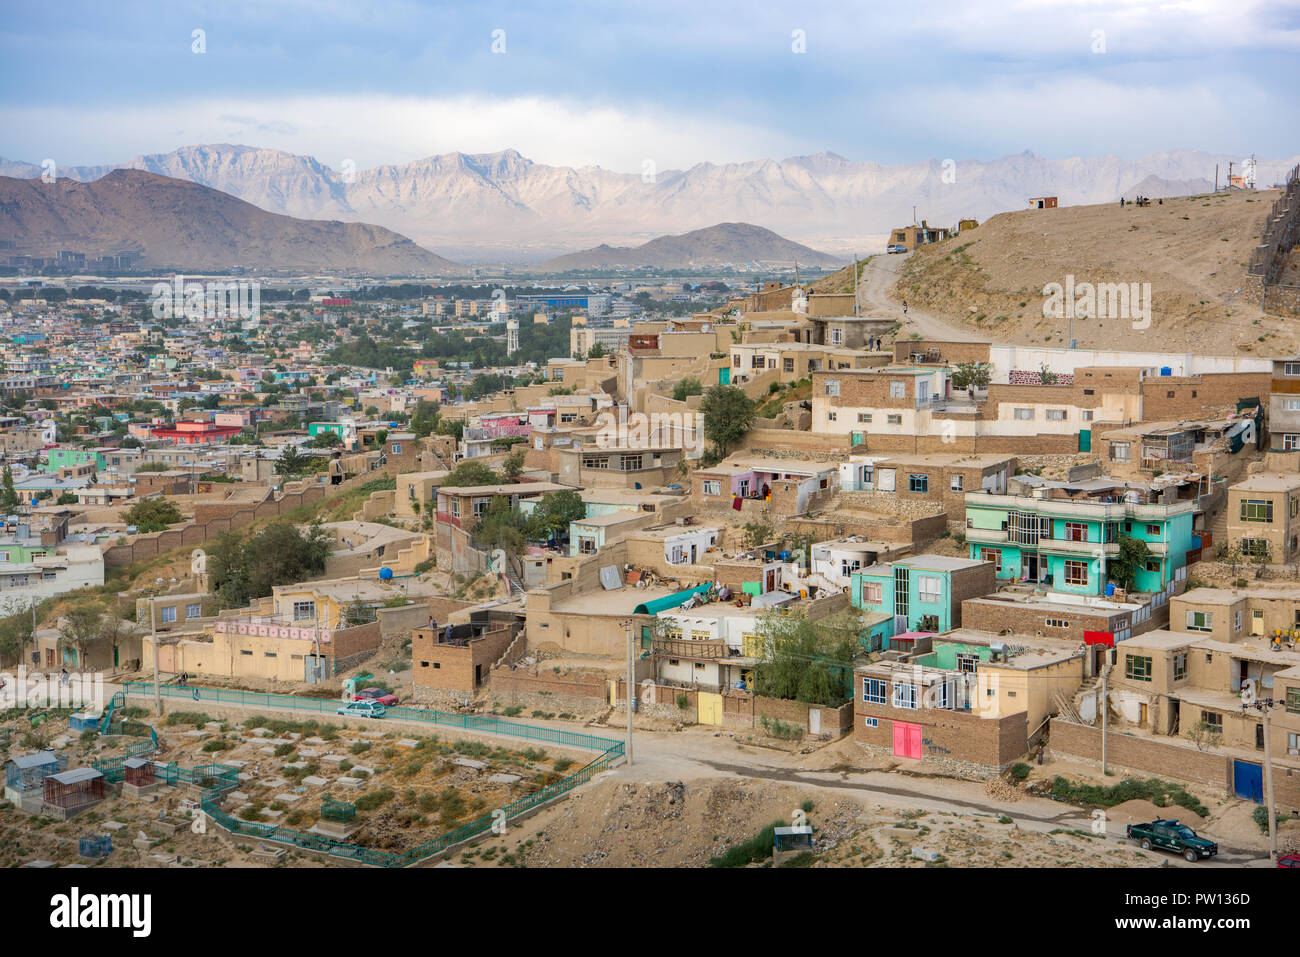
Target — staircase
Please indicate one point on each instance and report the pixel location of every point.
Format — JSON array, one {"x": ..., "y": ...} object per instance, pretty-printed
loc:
[{"x": 1069, "y": 708}]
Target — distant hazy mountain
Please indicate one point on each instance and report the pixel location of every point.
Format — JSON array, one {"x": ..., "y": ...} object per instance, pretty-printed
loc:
[
  {"x": 183, "y": 225},
  {"x": 504, "y": 206},
  {"x": 735, "y": 243}
]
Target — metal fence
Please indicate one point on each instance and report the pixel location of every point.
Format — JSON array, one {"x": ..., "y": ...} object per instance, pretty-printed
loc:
[{"x": 220, "y": 777}]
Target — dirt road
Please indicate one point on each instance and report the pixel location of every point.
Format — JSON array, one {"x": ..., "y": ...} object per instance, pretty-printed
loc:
[{"x": 875, "y": 299}]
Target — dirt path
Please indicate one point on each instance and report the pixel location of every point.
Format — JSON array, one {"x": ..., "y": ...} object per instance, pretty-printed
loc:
[{"x": 875, "y": 298}]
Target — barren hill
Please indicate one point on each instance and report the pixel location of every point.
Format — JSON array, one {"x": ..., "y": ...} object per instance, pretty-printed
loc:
[
  {"x": 724, "y": 243},
  {"x": 1193, "y": 250},
  {"x": 178, "y": 224}
]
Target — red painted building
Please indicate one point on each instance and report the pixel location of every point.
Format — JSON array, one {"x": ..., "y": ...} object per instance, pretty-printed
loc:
[{"x": 196, "y": 433}]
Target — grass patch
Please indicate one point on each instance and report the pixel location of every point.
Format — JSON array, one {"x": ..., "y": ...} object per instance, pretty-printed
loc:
[
  {"x": 1159, "y": 793},
  {"x": 757, "y": 848}
]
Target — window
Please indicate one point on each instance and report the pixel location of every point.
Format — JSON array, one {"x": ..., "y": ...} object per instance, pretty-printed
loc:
[
  {"x": 194, "y": 610},
  {"x": 1213, "y": 719},
  {"x": 871, "y": 722},
  {"x": 304, "y": 611},
  {"x": 481, "y": 504},
  {"x": 832, "y": 386},
  {"x": 455, "y": 507},
  {"x": 993, "y": 555},
  {"x": 1291, "y": 368},
  {"x": 397, "y": 448},
  {"x": 830, "y": 417},
  {"x": 872, "y": 593},
  {"x": 897, "y": 389},
  {"x": 595, "y": 462},
  {"x": 918, "y": 483},
  {"x": 905, "y": 696},
  {"x": 1055, "y": 415},
  {"x": 1076, "y": 573},
  {"x": 249, "y": 653},
  {"x": 712, "y": 487},
  {"x": 1086, "y": 415},
  {"x": 1200, "y": 621},
  {"x": 1180, "y": 666},
  {"x": 787, "y": 365},
  {"x": 967, "y": 663},
  {"x": 1119, "y": 451},
  {"x": 864, "y": 417},
  {"x": 169, "y": 613},
  {"x": 929, "y": 587},
  {"x": 1057, "y": 622},
  {"x": 1024, "y": 414},
  {"x": 631, "y": 463},
  {"x": 1293, "y": 700},
  {"x": 955, "y": 483},
  {"x": 873, "y": 690},
  {"x": 894, "y": 419},
  {"x": 1255, "y": 510},
  {"x": 1137, "y": 667},
  {"x": 1290, "y": 442},
  {"x": 1254, "y": 546},
  {"x": 1076, "y": 531}
]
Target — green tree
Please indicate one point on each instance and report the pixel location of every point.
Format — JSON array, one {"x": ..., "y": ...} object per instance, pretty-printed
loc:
[
  {"x": 1132, "y": 558},
  {"x": 81, "y": 627},
  {"x": 554, "y": 512},
  {"x": 514, "y": 464},
  {"x": 972, "y": 373},
  {"x": 469, "y": 473},
  {"x": 152, "y": 515},
  {"x": 500, "y": 526},
  {"x": 8, "y": 495},
  {"x": 293, "y": 463},
  {"x": 810, "y": 661},
  {"x": 279, "y": 554},
  {"x": 728, "y": 414},
  {"x": 687, "y": 388}
]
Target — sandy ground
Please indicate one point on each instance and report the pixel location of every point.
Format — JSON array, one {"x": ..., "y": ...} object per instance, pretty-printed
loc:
[{"x": 1193, "y": 250}]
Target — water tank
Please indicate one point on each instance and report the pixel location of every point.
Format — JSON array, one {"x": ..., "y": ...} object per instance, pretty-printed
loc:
[
  {"x": 1166, "y": 371},
  {"x": 385, "y": 573}
]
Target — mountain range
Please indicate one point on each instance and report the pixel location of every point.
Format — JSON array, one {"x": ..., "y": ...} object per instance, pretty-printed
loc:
[
  {"x": 504, "y": 207},
  {"x": 182, "y": 225}
]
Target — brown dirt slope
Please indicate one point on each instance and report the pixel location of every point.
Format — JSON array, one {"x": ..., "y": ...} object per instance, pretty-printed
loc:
[{"x": 1192, "y": 249}]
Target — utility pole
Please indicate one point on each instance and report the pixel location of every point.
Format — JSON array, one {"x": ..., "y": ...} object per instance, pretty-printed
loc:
[
  {"x": 1105, "y": 715},
  {"x": 153, "y": 630},
  {"x": 1263, "y": 706},
  {"x": 631, "y": 687},
  {"x": 856, "y": 269}
]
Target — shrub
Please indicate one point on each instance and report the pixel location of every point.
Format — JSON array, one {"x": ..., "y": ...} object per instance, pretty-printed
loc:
[
  {"x": 218, "y": 744},
  {"x": 1160, "y": 793},
  {"x": 757, "y": 848},
  {"x": 1019, "y": 771},
  {"x": 373, "y": 799}
]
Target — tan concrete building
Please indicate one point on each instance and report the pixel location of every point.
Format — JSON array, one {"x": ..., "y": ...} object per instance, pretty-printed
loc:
[{"x": 1264, "y": 517}]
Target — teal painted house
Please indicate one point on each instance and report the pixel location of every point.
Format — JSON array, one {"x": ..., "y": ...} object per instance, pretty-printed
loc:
[
  {"x": 64, "y": 458},
  {"x": 1067, "y": 544},
  {"x": 921, "y": 593}
]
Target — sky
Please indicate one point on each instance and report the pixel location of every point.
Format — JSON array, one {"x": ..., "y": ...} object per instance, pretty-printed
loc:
[{"x": 613, "y": 84}]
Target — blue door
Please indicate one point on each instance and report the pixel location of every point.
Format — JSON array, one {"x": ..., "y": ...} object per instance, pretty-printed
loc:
[{"x": 1248, "y": 781}]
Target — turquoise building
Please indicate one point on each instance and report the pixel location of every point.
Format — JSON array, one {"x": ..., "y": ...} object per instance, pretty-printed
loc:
[
  {"x": 921, "y": 593},
  {"x": 1067, "y": 544}
]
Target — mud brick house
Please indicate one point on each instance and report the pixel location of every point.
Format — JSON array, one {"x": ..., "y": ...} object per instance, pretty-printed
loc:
[
  {"x": 967, "y": 700},
  {"x": 937, "y": 477},
  {"x": 459, "y": 661},
  {"x": 792, "y": 486},
  {"x": 461, "y": 506},
  {"x": 1082, "y": 618}
]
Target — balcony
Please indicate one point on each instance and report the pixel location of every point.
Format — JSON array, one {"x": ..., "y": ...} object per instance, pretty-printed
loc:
[
  {"x": 986, "y": 536},
  {"x": 1064, "y": 546},
  {"x": 690, "y": 648}
]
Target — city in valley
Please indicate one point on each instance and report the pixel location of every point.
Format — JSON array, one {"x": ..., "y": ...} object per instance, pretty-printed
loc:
[{"x": 402, "y": 477}]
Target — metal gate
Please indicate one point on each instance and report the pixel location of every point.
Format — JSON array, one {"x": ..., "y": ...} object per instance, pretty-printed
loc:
[
  {"x": 315, "y": 668},
  {"x": 907, "y": 740},
  {"x": 709, "y": 707},
  {"x": 1248, "y": 781}
]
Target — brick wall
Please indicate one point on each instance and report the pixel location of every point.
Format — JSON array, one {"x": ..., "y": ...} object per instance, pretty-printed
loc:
[
  {"x": 963, "y": 742},
  {"x": 1166, "y": 758},
  {"x": 353, "y": 641},
  {"x": 950, "y": 352},
  {"x": 1194, "y": 395}
]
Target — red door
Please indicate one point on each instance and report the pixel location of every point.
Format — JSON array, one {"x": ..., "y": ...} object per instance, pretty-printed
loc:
[{"x": 907, "y": 740}]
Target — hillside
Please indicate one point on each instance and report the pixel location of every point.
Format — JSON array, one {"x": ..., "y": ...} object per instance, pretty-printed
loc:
[
  {"x": 504, "y": 205},
  {"x": 181, "y": 225},
  {"x": 1193, "y": 250},
  {"x": 734, "y": 243}
]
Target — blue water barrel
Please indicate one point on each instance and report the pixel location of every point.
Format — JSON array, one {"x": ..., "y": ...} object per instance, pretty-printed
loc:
[{"x": 1166, "y": 370}]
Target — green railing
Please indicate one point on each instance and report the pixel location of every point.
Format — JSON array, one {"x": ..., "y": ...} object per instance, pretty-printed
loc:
[{"x": 210, "y": 797}]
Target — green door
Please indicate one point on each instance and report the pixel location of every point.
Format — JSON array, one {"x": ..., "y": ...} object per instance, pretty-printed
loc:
[
  {"x": 724, "y": 375},
  {"x": 1085, "y": 440}
]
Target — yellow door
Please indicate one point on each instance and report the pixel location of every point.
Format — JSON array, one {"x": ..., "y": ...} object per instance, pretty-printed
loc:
[{"x": 709, "y": 707}]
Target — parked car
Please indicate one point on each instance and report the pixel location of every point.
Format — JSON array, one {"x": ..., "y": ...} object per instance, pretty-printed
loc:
[
  {"x": 362, "y": 709},
  {"x": 895, "y": 248},
  {"x": 386, "y": 698},
  {"x": 1289, "y": 860},
  {"x": 1172, "y": 836}
]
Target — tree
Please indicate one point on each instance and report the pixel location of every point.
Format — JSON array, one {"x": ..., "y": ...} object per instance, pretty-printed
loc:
[
  {"x": 152, "y": 515},
  {"x": 279, "y": 554},
  {"x": 117, "y": 624},
  {"x": 728, "y": 414},
  {"x": 972, "y": 373},
  {"x": 8, "y": 496},
  {"x": 469, "y": 473},
  {"x": 82, "y": 627},
  {"x": 808, "y": 661},
  {"x": 554, "y": 512},
  {"x": 500, "y": 526},
  {"x": 687, "y": 388},
  {"x": 756, "y": 534},
  {"x": 1132, "y": 558},
  {"x": 514, "y": 464},
  {"x": 16, "y": 631},
  {"x": 596, "y": 352},
  {"x": 293, "y": 463}
]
